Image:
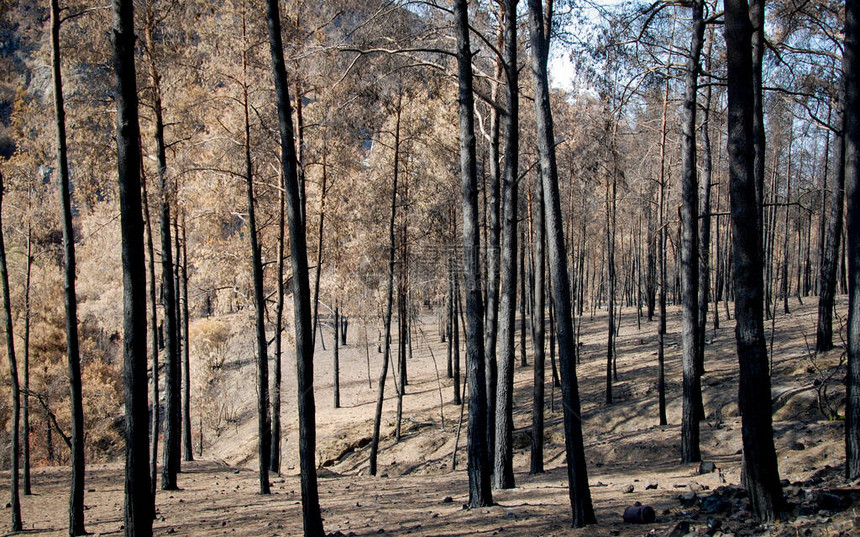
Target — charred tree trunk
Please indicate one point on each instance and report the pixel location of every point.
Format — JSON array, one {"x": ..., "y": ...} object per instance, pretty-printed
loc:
[
  {"x": 494, "y": 252},
  {"x": 155, "y": 423},
  {"x": 76, "y": 494},
  {"x": 580, "y": 496},
  {"x": 503, "y": 474},
  {"x": 756, "y": 15},
  {"x": 275, "y": 456},
  {"x": 851, "y": 66},
  {"x": 455, "y": 319},
  {"x": 610, "y": 268},
  {"x": 760, "y": 471},
  {"x": 172, "y": 426},
  {"x": 705, "y": 230},
  {"x": 264, "y": 431},
  {"x": 311, "y": 515},
  {"x": 536, "y": 466},
  {"x": 692, "y": 391},
  {"x": 321, "y": 226},
  {"x": 389, "y": 302},
  {"x": 180, "y": 340},
  {"x": 480, "y": 493},
  {"x": 187, "y": 436},
  {"x": 15, "y": 444},
  {"x": 336, "y": 356},
  {"x": 449, "y": 322},
  {"x": 25, "y": 369},
  {"x": 138, "y": 497},
  {"x": 661, "y": 269},
  {"x": 830, "y": 255},
  {"x": 651, "y": 260},
  {"x": 155, "y": 419},
  {"x": 523, "y": 299}
]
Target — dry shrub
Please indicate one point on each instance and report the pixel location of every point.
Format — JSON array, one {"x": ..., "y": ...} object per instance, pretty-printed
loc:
[{"x": 210, "y": 341}]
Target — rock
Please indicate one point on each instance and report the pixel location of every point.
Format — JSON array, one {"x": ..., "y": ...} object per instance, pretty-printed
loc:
[
  {"x": 826, "y": 500},
  {"x": 628, "y": 489},
  {"x": 741, "y": 515},
  {"x": 806, "y": 510},
  {"x": 714, "y": 524},
  {"x": 652, "y": 485},
  {"x": 380, "y": 531},
  {"x": 688, "y": 499},
  {"x": 680, "y": 530},
  {"x": 715, "y": 504},
  {"x": 797, "y": 446},
  {"x": 448, "y": 499},
  {"x": 707, "y": 467},
  {"x": 695, "y": 487},
  {"x": 792, "y": 492}
]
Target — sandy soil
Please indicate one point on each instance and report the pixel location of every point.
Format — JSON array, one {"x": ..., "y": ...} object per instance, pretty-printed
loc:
[{"x": 417, "y": 493}]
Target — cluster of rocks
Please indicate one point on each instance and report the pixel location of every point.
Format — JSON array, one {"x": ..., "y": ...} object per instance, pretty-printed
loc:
[{"x": 726, "y": 512}]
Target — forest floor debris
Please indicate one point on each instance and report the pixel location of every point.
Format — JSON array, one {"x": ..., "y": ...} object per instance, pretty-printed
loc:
[{"x": 422, "y": 496}]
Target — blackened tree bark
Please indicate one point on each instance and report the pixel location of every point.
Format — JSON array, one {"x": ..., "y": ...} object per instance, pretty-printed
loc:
[
  {"x": 15, "y": 444},
  {"x": 661, "y": 268},
  {"x": 493, "y": 250},
  {"x": 756, "y": 15},
  {"x": 172, "y": 365},
  {"x": 830, "y": 255},
  {"x": 138, "y": 498},
  {"x": 187, "y": 435},
  {"x": 536, "y": 463},
  {"x": 76, "y": 494},
  {"x": 275, "y": 456},
  {"x": 264, "y": 430},
  {"x": 850, "y": 68},
  {"x": 25, "y": 369},
  {"x": 651, "y": 260},
  {"x": 760, "y": 470},
  {"x": 455, "y": 319},
  {"x": 155, "y": 419},
  {"x": 523, "y": 299},
  {"x": 503, "y": 473},
  {"x": 611, "y": 189},
  {"x": 449, "y": 321},
  {"x": 577, "y": 474},
  {"x": 311, "y": 515},
  {"x": 705, "y": 230},
  {"x": 480, "y": 493},
  {"x": 389, "y": 302},
  {"x": 692, "y": 391},
  {"x": 180, "y": 340},
  {"x": 321, "y": 227},
  {"x": 336, "y": 355}
]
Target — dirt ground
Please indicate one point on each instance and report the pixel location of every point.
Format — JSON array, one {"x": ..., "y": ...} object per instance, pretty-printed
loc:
[{"x": 630, "y": 458}]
